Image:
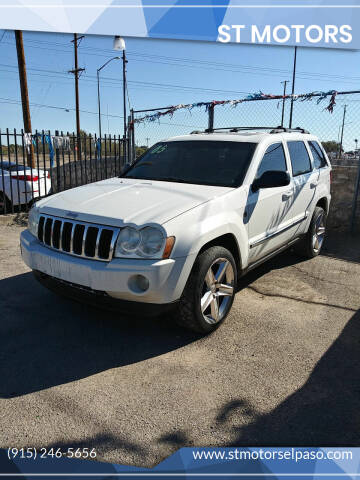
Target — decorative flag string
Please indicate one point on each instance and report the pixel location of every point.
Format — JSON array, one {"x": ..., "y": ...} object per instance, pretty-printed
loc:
[{"x": 251, "y": 97}]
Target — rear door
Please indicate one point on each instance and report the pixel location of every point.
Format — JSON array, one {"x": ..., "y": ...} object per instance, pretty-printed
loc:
[
  {"x": 305, "y": 180},
  {"x": 322, "y": 167},
  {"x": 268, "y": 211}
]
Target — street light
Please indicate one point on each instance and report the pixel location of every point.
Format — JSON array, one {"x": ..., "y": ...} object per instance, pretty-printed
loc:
[
  {"x": 119, "y": 44},
  {"x": 98, "y": 86},
  {"x": 356, "y": 143}
]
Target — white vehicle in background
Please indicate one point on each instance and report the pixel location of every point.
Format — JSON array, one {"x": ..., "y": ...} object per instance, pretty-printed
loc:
[
  {"x": 21, "y": 185},
  {"x": 179, "y": 228}
]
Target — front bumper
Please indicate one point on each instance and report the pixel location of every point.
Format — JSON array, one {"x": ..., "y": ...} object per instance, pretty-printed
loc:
[
  {"x": 167, "y": 278},
  {"x": 100, "y": 299}
]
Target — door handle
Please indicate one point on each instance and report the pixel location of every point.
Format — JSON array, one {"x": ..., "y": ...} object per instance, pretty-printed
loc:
[
  {"x": 287, "y": 195},
  {"x": 314, "y": 184}
]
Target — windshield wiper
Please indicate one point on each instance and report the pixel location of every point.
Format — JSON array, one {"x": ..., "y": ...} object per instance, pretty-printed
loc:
[
  {"x": 162, "y": 179},
  {"x": 170, "y": 179}
]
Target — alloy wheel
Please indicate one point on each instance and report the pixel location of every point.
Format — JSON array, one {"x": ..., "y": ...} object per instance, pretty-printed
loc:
[
  {"x": 218, "y": 291},
  {"x": 319, "y": 233}
]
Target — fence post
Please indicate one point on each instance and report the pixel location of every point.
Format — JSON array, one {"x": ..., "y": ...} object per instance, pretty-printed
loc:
[
  {"x": 132, "y": 133},
  {"x": 355, "y": 199},
  {"x": 211, "y": 118},
  {"x": 57, "y": 159}
]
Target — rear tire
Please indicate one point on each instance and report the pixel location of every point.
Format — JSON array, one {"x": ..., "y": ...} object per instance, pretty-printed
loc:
[
  {"x": 5, "y": 204},
  {"x": 310, "y": 246},
  {"x": 209, "y": 292}
]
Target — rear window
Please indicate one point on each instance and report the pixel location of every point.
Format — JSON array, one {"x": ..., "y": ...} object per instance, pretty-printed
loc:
[
  {"x": 318, "y": 155},
  {"x": 299, "y": 157}
]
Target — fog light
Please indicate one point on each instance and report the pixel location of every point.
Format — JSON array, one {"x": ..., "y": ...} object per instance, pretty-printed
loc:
[{"x": 138, "y": 283}]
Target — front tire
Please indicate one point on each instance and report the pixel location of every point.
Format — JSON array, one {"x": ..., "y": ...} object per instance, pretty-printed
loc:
[
  {"x": 310, "y": 246},
  {"x": 209, "y": 292}
]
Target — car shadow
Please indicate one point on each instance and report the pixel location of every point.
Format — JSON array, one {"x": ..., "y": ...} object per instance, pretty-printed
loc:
[
  {"x": 282, "y": 260},
  {"x": 46, "y": 340},
  {"x": 324, "y": 411}
]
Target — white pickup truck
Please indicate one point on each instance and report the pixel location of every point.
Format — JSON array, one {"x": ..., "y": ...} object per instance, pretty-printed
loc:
[{"x": 183, "y": 223}]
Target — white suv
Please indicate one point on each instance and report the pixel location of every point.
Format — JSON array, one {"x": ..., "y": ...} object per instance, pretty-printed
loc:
[{"x": 181, "y": 225}]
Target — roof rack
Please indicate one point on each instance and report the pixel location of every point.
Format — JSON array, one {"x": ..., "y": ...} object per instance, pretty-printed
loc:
[{"x": 278, "y": 129}]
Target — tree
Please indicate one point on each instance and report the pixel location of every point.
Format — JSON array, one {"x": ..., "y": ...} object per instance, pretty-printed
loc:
[
  {"x": 331, "y": 146},
  {"x": 140, "y": 150}
]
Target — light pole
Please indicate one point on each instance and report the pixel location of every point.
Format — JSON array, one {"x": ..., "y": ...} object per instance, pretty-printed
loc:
[
  {"x": 356, "y": 143},
  {"x": 119, "y": 44},
  {"x": 98, "y": 87}
]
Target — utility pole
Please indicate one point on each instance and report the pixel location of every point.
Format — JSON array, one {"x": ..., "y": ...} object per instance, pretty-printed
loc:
[
  {"x": 293, "y": 88},
  {"x": 76, "y": 72},
  {"x": 283, "y": 104},
  {"x": 24, "y": 95},
  {"x": 124, "y": 89},
  {"x": 342, "y": 132}
]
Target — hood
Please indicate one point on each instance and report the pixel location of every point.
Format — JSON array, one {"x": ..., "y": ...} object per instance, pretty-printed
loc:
[{"x": 119, "y": 201}]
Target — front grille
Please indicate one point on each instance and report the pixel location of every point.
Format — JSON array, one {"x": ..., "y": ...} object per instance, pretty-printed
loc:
[{"x": 81, "y": 239}]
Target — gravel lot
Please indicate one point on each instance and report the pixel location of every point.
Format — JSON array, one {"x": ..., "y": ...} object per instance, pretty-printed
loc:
[{"x": 283, "y": 369}]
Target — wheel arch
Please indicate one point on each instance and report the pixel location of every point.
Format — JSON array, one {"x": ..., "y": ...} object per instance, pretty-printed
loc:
[
  {"x": 323, "y": 203},
  {"x": 228, "y": 241}
]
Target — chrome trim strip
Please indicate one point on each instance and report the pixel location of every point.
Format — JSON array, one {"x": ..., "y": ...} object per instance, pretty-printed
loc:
[
  {"x": 278, "y": 232},
  {"x": 72, "y": 237},
  {"x": 61, "y": 234},
  {"x": 115, "y": 233},
  {"x": 112, "y": 244},
  {"x": 52, "y": 232},
  {"x": 97, "y": 244},
  {"x": 84, "y": 241}
]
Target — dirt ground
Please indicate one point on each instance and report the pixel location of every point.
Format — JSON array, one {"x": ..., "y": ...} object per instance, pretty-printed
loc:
[{"x": 282, "y": 370}]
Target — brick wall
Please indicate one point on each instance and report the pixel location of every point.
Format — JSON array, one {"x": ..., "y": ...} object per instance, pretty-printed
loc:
[{"x": 342, "y": 192}]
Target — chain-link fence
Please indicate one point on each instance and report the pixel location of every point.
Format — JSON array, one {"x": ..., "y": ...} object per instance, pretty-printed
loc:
[
  {"x": 181, "y": 123},
  {"x": 336, "y": 124},
  {"x": 40, "y": 164},
  {"x": 309, "y": 111}
]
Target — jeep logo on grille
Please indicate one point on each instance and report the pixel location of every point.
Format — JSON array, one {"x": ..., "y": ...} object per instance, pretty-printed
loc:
[{"x": 72, "y": 214}]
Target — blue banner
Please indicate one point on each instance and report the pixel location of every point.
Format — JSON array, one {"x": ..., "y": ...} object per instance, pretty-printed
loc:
[
  {"x": 260, "y": 462},
  {"x": 316, "y": 24}
]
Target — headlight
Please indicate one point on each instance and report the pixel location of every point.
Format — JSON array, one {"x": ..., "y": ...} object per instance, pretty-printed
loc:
[
  {"x": 128, "y": 241},
  {"x": 152, "y": 241},
  {"x": 146, "y": 242},
  {"x": 33, "y": 221}
]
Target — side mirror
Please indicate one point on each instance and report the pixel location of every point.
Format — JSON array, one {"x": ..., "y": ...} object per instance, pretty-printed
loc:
[{"x": 271, "y": 179}]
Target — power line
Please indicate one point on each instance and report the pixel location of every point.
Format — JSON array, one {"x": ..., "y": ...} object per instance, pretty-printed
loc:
[
  {"x": 65, "y": 109},
  {"x": 92, "y": 78},
  {"x": 197, "y": 63}
]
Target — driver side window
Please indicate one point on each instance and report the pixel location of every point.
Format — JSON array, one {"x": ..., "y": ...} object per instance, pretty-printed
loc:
[{"x": 273, "y": 159}]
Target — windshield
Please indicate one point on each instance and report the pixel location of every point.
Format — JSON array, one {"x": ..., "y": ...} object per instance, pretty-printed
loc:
[{"x": 201, "y": 162}]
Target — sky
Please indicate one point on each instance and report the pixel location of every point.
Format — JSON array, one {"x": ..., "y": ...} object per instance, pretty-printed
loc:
[{"x": 165, "y": 72}]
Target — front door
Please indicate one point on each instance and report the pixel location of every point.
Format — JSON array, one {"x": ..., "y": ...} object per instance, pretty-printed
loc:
[{"x": 269, "y": 210}]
